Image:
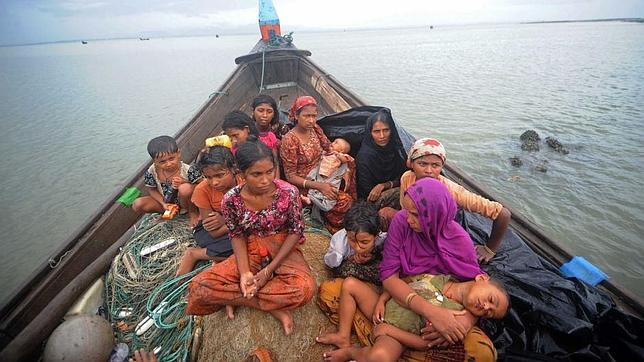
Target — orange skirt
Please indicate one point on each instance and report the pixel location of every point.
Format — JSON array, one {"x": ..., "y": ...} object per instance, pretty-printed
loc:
[{"x": 291, "y": 286}]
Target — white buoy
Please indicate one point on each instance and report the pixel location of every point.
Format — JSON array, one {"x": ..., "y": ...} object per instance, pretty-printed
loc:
[{"x": 80, "y": 338}]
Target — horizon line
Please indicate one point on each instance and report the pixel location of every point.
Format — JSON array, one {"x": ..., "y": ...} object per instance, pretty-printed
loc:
[{"x": 314, "y": 30}]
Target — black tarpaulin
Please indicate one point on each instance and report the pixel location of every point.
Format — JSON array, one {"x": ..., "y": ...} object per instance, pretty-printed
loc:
[
  {"x": 350, "y": 125},
  {"x": 552, "y": 317}
]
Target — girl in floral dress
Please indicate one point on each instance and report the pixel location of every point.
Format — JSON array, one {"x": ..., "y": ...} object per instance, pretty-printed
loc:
[{"x": 267, "y": 271}]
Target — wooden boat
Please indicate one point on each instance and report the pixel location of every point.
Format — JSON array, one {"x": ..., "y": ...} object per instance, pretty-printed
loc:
[{"x": 37, "y": 307}]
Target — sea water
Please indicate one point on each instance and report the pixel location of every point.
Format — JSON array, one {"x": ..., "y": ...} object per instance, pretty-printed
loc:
[{"x": 76, "y": 119}]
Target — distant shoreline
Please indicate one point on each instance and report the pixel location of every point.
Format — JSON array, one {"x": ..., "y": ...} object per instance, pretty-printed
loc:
[
  {"x": 247, "y": 32},
  {"x": 626, "y": 20}
]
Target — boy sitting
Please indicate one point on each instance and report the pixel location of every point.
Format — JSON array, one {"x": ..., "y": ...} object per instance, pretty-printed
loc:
[{"x": 169, "y": 180}]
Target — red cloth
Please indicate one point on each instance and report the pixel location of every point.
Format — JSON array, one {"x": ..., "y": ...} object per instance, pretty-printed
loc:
[{"x": 300, "y": 103}]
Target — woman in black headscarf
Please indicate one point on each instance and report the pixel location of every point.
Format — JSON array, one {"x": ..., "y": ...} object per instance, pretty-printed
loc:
[{"x": 380, "y": 161}]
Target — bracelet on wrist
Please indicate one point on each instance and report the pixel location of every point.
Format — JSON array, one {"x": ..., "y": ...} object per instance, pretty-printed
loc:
[{"x": 409, "y": 298}]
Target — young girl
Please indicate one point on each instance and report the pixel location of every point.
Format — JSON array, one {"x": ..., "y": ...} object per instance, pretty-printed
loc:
[
  {"x": 426, "y": 159},
  {"x": 266, "y": 116},
  {"x": 356, "y": 250},
  {"x": 354, "y": 253},
  {"x": 217, "y": 165},
  {"x": 241, "y": 128},
  {"x": 398, "y": 327},
  {"x": 267, "y": 270}
]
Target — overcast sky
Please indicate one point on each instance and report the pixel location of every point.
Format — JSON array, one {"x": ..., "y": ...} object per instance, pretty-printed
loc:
[{"x": 30, "y": 21}]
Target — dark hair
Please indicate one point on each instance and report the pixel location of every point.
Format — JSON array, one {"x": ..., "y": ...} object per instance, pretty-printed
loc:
[
  {"x": 239, "y": 119},
  {"x": 265, "y": 98},
  {"x": 250, "y": 152},
  {"x": 362, "y": 217},
  {"x": 215, "y": 155},
  {"x": 497, "y": 283},
  {"x": 162, "y": 145},
  {"x": 382, "y": 116}
]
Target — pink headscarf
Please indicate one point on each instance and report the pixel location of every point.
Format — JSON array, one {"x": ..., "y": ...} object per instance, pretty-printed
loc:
[{"x": 300, "y": 103}]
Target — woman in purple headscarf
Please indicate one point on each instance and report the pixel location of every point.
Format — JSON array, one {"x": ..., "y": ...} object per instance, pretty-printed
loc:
[{"x": 424, "y": 238}]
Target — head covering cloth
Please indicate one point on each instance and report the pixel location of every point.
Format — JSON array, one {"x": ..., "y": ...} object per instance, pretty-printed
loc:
[
  {"x": 378, "y": 164},
  {"x": 442, "y": 246},
  {"x": 300, "y": 103},
  {"x": 426, "y": 147}
]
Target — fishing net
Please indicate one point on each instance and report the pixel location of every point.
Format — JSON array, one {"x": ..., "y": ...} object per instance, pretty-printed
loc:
[{"x": 145, "y": 302}]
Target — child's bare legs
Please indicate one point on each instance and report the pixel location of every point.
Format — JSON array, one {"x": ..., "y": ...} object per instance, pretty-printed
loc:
[
  {"x": 286, "y": 318},
  {"x": 188, "y": 261},
  {"x": 185, "y": 194},
  {"x": 384, "y": 350},
  {"x": 354, "y": 294},
  {"x": 406, "y": 339},
  {"x": 146, "y": 204},
  {"x": 191, "y": 257}
]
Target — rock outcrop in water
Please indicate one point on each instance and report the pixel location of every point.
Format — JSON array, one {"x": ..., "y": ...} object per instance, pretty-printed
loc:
[
  {"x": 556, "y": 145},
  {"x": 530, "y": 140}
]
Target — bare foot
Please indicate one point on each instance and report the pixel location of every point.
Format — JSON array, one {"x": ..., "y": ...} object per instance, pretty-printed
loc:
[
  {"x": 335, "y": 339},
  {"x": 338, "y": 355},
  {"x": 194, "y": 219},
  {"x": 230, "y": 312},
  {"x": 286, "y": 318}
]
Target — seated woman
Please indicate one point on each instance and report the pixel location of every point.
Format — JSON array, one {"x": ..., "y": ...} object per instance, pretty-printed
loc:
[
  {"x": 426, "y": 159},
  {"x": 380, "y": 161},
  {"x": 301, "y": 151},
  {"x": 422, "y": 239},
  {"x": 266, "y": 116},
  {"x": 267, "y": 270}
]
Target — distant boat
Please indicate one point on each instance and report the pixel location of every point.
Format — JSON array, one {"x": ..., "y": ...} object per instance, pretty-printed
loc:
[
  {"x": 431, "y": 27},
  {"x": 83, "y": 42},
  {"x": 216, "y": 35},
  {"x": 144, "y": 38}
]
